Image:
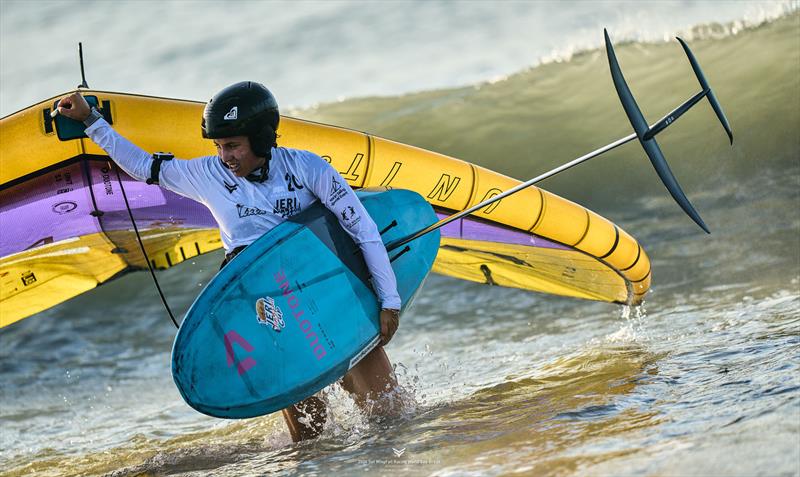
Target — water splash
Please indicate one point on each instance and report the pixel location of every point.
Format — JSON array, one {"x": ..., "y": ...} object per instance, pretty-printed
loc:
[{"x": 633, "y": 329}]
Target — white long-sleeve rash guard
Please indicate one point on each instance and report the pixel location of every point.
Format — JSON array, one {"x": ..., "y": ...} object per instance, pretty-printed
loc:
[{"x": 246, "y": 210}]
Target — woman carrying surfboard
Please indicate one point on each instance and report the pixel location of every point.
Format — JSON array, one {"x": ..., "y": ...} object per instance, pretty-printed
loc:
[{"x": 251, "y": 186}]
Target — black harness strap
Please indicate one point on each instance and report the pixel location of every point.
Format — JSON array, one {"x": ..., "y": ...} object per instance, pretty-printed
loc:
[
  {"x": 155, "y": 167},
  {"x": 229, "y": 256}
]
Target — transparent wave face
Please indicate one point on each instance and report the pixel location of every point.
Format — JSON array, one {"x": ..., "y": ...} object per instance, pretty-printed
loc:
[{"x": 318, "y": 52}]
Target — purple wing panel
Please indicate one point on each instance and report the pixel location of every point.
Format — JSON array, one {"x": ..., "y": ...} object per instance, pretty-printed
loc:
[
  {"x": 153, "y": 206},
  {"x": 68, "y": 230},
  {"x": 46, "y": 209},
  {"x": 469, "y": 228},
  {"x": 479, "y": 251},
  {"x": 59, "y": 205}
]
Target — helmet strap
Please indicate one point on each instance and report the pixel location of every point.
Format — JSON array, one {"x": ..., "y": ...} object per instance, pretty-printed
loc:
[{"x": 262, "y": 173}]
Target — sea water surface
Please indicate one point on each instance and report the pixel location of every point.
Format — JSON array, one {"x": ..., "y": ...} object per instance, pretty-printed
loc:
[{"x": 702, "y": 379}]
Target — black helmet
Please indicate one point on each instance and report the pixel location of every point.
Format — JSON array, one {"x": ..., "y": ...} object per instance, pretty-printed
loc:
[{"x": 243, "y": 109}]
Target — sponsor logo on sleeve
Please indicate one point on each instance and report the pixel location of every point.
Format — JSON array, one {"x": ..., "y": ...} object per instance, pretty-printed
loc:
[
  {"x": 269, "y": 313},
  {"x": 337, "y": 192},
  {"x": 350, "y": 216}
]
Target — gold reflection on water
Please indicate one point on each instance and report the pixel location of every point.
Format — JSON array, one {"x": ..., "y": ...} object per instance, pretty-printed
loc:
[
  {"x": 140, "y": 456},
  {"x": 564, "y": 418}
]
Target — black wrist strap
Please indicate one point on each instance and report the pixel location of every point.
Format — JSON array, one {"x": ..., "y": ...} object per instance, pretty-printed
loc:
[
  {"x": 94, "y": 115},
  {"x": 155, "y": 167}
]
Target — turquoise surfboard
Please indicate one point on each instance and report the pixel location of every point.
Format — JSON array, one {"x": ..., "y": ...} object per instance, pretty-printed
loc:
[{"x": 294, "y": 311}]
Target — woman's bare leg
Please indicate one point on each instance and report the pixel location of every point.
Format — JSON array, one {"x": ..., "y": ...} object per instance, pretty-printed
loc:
[
  {"x": 370, "y": 381},
  {"x": 306, "y": 419}
]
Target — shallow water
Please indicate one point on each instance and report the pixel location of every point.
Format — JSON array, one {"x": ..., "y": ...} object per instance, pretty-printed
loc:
[{"x": 703, "y": 379}]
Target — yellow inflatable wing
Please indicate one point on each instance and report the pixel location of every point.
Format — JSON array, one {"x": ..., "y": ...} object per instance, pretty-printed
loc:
[{"x": 66, "y": 229}]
